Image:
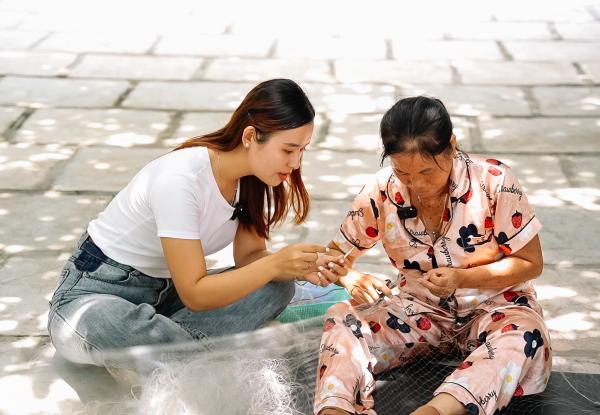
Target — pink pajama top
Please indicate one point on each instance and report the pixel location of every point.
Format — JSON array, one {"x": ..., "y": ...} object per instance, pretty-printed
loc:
[{"x": 486, "y": 218}]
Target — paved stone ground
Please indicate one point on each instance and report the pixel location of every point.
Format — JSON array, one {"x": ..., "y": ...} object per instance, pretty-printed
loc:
[{"x": 91, "y": 91}]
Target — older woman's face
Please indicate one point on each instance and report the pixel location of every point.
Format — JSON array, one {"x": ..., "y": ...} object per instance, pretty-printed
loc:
[{"x": 422, "y": 175}]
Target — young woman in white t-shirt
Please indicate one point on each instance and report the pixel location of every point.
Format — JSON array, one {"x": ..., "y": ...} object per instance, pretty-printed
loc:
[{"x": 139, "y": 276}]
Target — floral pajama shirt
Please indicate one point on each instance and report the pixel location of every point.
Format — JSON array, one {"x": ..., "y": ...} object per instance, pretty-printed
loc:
[{"x": 501, "y": 330}]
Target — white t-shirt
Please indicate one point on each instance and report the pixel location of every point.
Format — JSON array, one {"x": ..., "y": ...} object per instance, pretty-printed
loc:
[{"x": 173, "y": 196}]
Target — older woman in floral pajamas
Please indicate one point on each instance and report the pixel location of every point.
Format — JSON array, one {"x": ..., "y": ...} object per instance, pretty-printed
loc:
[{"x": 464, "y": 238}]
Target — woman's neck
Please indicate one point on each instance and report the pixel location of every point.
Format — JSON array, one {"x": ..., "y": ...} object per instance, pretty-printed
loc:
[{"x": 231, "y": 165}]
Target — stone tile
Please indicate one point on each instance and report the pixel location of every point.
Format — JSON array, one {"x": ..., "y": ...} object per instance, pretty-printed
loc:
[
  {"x": 554, "y": 51},
  {"x": 9, "y": 19},
  {"x": 350, "y": 98},
  {"x": 584, "y": 171},
  {"x": 569, "y": 308},
  {"x": 579, "y": 31},
  {"x": 34, "y": 63},
  {"x": 552, "y": 135},
  {"x": 404, "y": 50},
  {"x": 499, "y": 31},
  {"x": 334, "y": 175},
  {"x": 115, "y": 127},
  {"x": 19, "y": 39},
  {"x": 48, "y": 221},
  {"x": 391, "y": 72},
  {"x": 193, "y": 96},
  {"x": 215, "y": 45},
  {"x": 7, "y": 117},
  {"x": 46, "y": 383},
  {"x": 237, "y": 69},
  {"x": 563, "y": 241},
  {"x": 593, "y": 69},
  {"x": 532, "y": 12},
  {"x": 38, "y": 92},
  {"x": 326, "y": 47},
  {"x": 361, "y": 133},
  {"x": 28, "y": 284},
  {"x": 354, "y": 132},
  {"x": 568, "y": 100},
  {"x": 476, "y": 100},
  {"x": 136, "y": 67},
  {"x": 195, "y": 124},
  {"x": 106, "y": 169},
  {"x": 321, "y": 226},
  {"x": 27, "y": 167},
  {"x": 109, "y": 42},
  {"x": 517, "y": 73}
]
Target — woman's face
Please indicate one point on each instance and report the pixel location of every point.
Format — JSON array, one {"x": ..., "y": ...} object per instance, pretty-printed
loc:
[
  {"x": 273, "y": 161},
  {"x": 422, "y": 175}
]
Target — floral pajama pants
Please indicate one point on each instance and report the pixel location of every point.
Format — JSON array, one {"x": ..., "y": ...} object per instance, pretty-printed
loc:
[{"x": 508, "y": 348}]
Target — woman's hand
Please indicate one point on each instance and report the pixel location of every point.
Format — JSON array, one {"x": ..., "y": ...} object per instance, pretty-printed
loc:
[
  {"x": 329, "y": 269},
  {"x": 364, "y": 288},
  {"x": 297, "y": 260},
  {"x": 442, "y": 282}
]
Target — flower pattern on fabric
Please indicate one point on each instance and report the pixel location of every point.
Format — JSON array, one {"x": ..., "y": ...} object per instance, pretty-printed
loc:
[
  {"x": 472, "y": 409},
  {"x": 354, "y": 324},
  {"x": 397, "y": 324},
  {"x": 510, "y": 376},
  {"x": 533, "y": 341},
  {"x": 331, "y": 386},
  {"x": 464, "y": 240},
  {"x": 384, "y": 356}
]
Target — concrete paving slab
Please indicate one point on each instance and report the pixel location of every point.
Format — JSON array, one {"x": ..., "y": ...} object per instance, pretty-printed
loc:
[
  {"x": 360, "y": 132},
  {"x": 191, "y": 96},
  {"x": 107, "y": 169},
  {"x": 392, "y": 72},
  {"x": 531, "y": 12},
  {"x": 562, "y": 238},
  {"x": 407, "y": 49},
  {"x": 40, "y": 382},
  {"x": 136, "y": 67},
  {"x": 7, "y": 117},
  {"x": 584, "y": 170},
  {"x": 255, "y": 70},
  {"x": 48, "y": 221},
  {"x": 350, "y": 98},
  {"x": 114, "y": 127},
  {"x": 579, "y": 31},
  {"x": 327, "y": 47},
  {"x": 20, "y": 40},
  {"x": 500, "y": 31},
  {"x": 109, "y": 42},
  {"x": 593, "y": 70},
  {"x": 554, "y": 51},
  {"x": 194, "y": 124},
  {"x": 215, "y": 45},
  {"x": 322, "y": 171},
  {"x": 29, "y": 284},
  {"x": 573, "y": 101},
  {"x": 517, "y": 73},
  {"x": 28, "y": 167},
  {"x": 9, "y": 20},
  {"x": 476, "y": 100},
  {"x": 34, "y": 63},
  {"x": 535, "y": 135},
  {"x": 40, "y": 92}
]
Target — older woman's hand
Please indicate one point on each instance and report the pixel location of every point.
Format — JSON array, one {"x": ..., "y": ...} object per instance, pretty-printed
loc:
[
  {"x": 442, "y": 282},
  {"x": 364, "y": 288}
]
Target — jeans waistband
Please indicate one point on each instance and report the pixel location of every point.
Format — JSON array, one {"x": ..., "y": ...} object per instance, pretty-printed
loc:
[{"x": 87, "y": 244}]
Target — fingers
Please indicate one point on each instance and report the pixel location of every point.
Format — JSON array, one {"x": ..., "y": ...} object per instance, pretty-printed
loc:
[
  {"x": 382, "y": 286},
  {"x": 328, "y": 274},
  {"x": 313, "y": 278},
  {"x": 312, "y": 248}
]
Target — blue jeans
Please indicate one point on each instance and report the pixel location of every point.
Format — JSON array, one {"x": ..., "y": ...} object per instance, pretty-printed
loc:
[{"x": 101, "y": 305}]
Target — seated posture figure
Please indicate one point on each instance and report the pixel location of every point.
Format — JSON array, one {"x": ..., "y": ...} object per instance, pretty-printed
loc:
[{"x": 464, "y": 238}]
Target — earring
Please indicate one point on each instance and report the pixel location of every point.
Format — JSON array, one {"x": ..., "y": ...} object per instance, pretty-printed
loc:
[{"x": 246, "y": 145}]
